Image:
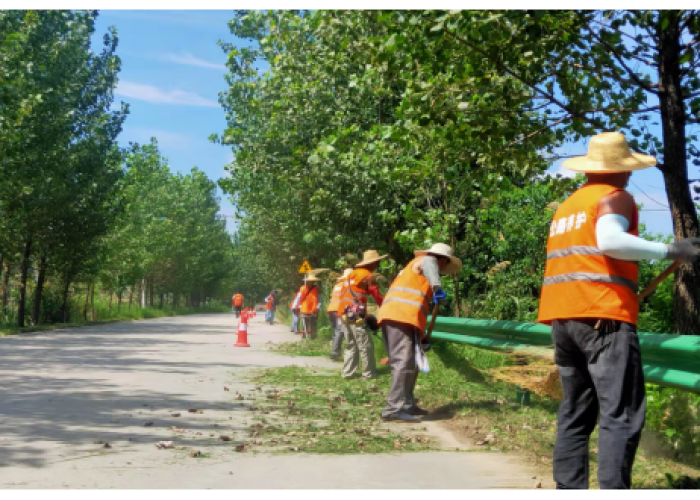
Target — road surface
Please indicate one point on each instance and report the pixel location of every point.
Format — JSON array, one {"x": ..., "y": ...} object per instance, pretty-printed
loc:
[{"x": 65, "y": 393}]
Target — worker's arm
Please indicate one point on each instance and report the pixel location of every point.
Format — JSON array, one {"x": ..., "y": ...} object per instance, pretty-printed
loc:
[{"x": 614, "y": 213}]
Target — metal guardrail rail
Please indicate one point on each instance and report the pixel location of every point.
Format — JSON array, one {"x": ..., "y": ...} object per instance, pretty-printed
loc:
[{"x": 668, "y": 360}]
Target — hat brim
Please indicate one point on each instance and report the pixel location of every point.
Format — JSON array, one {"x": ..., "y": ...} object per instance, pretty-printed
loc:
[
  {"x": 370, "y": 261},
  {"x": 453, "y": 267},
  {"x": 636, "y": 161}
]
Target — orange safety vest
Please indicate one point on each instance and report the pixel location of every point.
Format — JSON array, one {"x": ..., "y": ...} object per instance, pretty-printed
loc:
[
  {"x": 269, "y": 301},
  {"x": 353, "y": 279},
  {"x": 408, "y": 298},
  {"x": 310, "y": 303},
  {"x": 579, "y": 281},
  {"x": 238, "y": 300},
  {"x": 335, "y": 299}
]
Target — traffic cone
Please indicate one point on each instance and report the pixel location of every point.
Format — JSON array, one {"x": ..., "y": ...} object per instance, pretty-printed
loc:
[{"x": 242, "y": 340}]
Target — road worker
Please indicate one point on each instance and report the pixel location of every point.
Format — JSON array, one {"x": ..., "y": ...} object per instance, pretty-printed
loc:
[
  {"x": 355, "y": 290},
  {"x": 403, "y": 318},
  {"x": 589, "y": 296},
  {"x": 295, "y": 308},
  {"x": 310, "y": 305},
  {"x": 270, "y": 307},
  {"x": 332, "y": 311},
  {"x": 237, "y": 303}
]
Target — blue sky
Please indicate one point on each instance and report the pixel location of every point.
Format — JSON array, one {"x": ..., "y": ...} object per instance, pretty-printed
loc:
[{"x": 173, "y": 70}]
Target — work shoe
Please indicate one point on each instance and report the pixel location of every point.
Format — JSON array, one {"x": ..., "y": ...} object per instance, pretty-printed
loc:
[
  {"x": 416, "y": 411},
  {"x": 401, "y": 417}
]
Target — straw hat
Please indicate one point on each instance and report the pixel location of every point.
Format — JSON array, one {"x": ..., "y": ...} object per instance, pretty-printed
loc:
[
  {"x": 443, "y": 250},
  {"x": 312, "y": 276},
  {"x": 346, "y": 273},
  {"x": 369, "y": 257},
  {"x": 609, "y": 153}
]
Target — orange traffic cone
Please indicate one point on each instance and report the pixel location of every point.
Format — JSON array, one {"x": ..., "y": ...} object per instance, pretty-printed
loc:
[{"x": 242, "y": 340}]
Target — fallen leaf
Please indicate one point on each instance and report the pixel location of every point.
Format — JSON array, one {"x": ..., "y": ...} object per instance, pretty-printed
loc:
[
  {"x": 240, "y": 447},
  {"x": 225, "y": 438},
  {"x": 193, "y": 410},
  {"x": 165, "y": 445},
  {"x": 195, "y": 454},
  {"x": 197, "y": 433},
  {"x": 175, "y": 415},
  {"x": 107, "y": 445},
  {"x": 538, "y": 484},
  {"x": 148, "y": 424},
  {"x": 226, "y": 388}
]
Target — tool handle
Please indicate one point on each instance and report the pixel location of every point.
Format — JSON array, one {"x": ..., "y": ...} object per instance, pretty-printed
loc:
[
  {"x": 652, "y": 286},
  {"x": 433, "y": 317}
]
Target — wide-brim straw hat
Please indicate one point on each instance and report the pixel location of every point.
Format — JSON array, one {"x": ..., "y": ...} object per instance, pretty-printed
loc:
[
  {"x": 609, "y": 153},
  {"x": 369, "y": 257},
  {"x": 443, "y": 250},
  {"x": 346, "y": 273},
  {"x": 312, "y": 276}
]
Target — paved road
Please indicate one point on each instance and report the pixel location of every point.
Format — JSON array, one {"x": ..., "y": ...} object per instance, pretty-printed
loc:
[{"x": 62, "y": 391}]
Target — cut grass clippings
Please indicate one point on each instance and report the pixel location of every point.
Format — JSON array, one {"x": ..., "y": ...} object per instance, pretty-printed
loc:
[
  {"x": 316, "y": 411},
  {"x": 457, "y": 389}
]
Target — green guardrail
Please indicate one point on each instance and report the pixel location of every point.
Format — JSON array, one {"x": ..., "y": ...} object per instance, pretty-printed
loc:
[{"x": 668, "y": 360}]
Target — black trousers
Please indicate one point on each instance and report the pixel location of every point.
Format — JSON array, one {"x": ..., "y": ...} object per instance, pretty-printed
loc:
[{"x": 602, "y": 380}]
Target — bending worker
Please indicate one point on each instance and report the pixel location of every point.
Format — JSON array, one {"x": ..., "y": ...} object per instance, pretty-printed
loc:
[
  {"x": 237, "y": 303},
  {"x": 332, "y": 311},
  {"x": 403, "y": 317},
  {"x": 589, "y": 296},
  {"x": 356, "y": 288}
]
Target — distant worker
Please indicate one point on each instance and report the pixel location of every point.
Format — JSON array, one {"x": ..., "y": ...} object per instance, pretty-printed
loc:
[
  {"x": 589, "y": 296},
  {"x": 237, "y": 303},
  {"x": 332, "y": 311},
  {"x": 270, "y": 307},
  {"x": 295, "y": 308},
  {"x": 403, "y": 318},
  {"x": 310, "y": 305},
  {"x": 356, "y": 289}
]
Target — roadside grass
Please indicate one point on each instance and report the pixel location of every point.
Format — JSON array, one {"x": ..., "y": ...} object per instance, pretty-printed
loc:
[
  {"x": 460, "y": 391},
  {"x": 316, "y": 411},
  {"x": 136, "y": 313}
]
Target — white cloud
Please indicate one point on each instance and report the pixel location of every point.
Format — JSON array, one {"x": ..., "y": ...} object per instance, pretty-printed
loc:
[
  {"x": 155, "y": 95},
  {"x": 190, "y": 60}
]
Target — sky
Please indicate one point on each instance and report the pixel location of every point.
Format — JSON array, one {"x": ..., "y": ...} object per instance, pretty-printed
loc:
[{"x": 173, "y": 70}]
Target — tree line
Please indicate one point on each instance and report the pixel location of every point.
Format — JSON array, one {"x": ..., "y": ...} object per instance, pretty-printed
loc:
[
  {"x": 397, "y": 129},
  {"x": 75, "y": 208}
]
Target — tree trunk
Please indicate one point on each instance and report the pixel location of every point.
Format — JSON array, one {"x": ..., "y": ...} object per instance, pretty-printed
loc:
[
  {"x": 151, "y": 290},
  {"x": 458, "y": 303},
  {"x": 6, "y": 288},
  {"x": 2, "y": 260},
  {"x": 92, "y": 303},
  {"x": 119, "y": 301},
  {"x": 64, "y": 304},
  {"x": 39, "y": 290},
  {"x": 85, "y": 305},
  {"x": 686, "y": 308},
  {"x": 109, "y": 309},
  {"x": 131, "y": 296},
  {"x": 161, "y": 301},
  {"x": 23, "y": 282}
]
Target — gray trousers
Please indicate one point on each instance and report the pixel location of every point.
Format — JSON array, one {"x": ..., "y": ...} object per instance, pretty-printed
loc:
[
  {"x": 337, "y": 341},
  {"x": 400, "y": 339},
  {"x": 295, "y": 321},
  {"x": 310, "y": 321},
  {"x": 358, "y": 345}
]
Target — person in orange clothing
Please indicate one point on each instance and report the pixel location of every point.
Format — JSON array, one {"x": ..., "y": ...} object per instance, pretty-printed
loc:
[
  {"x": 237, "y": 303},
  {"x": 270, "y": 307},
  {"x": 352, "y": 310},
  {"x": 332, "y": 311},
  {"x": 589, "y": 296},
  {"x": 403, "y": 317},
  {"x": 310, "y": 305}
]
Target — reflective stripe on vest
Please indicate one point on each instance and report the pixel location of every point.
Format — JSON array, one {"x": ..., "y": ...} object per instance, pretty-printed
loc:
[
  {"x": 408, "y": 298},
  {"x": 335, "y": 299},
  {"x": 579, "y": 280},
  {"x": 346, "y": 298}
]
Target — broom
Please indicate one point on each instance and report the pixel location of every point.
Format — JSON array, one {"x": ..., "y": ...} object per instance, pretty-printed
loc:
[{"x": 534, "y": 369}]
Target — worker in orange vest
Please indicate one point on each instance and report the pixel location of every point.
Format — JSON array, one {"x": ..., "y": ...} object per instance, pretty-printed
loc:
[
  {"x": 332, "y": 311},
  {"x": 589, "y": 296},
  {"x": 352, "y": 310},
  {"x": 237, "y": 300},
  {"x": 270, "y": 307},
  {"x": 403, "y": 317},
  {"x": 310, "y": 305}
]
